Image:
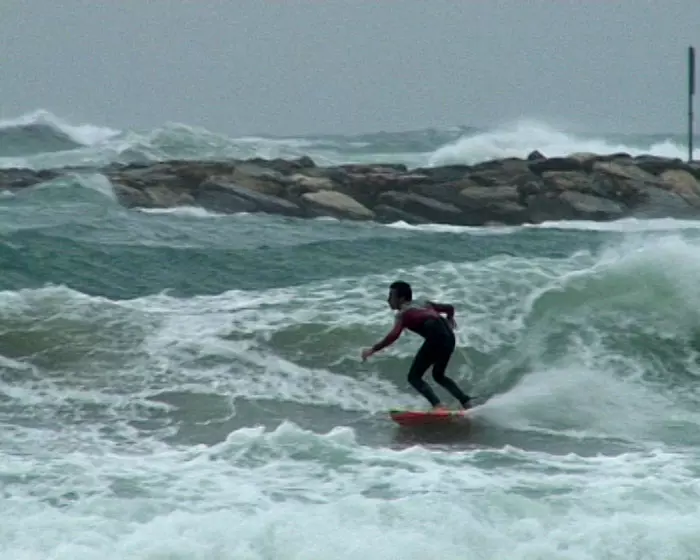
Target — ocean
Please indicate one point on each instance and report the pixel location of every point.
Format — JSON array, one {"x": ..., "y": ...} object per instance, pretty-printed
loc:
[{"x": 181, "y": 384}]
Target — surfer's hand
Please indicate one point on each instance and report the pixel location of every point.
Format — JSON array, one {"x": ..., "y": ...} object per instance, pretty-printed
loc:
[
  {"x": 453, "y": 324},
  {"x": 366, "y": 353}
]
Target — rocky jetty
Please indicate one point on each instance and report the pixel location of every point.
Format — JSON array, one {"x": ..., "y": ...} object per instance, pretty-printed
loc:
[{"x": 506, "y": 191}]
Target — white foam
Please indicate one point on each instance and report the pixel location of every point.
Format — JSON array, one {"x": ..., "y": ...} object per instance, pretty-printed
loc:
[
  {"x": 522, "y": 137},
  {"x": 188, "y": 211},
  {"x": 292, "y": 494},
  {"x": 449, "y": 228},
  {"x": 624, "y": 225},
  {"x": 85, "y": 134}
]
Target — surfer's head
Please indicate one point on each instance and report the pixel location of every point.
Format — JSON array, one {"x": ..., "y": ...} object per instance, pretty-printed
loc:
[{"x": 399, "y": 293}]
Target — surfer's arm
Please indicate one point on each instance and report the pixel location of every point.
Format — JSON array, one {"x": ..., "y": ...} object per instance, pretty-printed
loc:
[
  {"x": 445, "y": 308},
  {"x": 390, "y": 338}
]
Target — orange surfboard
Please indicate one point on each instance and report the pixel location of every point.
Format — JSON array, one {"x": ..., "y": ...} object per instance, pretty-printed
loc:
[{"x": 417, "y": 417}]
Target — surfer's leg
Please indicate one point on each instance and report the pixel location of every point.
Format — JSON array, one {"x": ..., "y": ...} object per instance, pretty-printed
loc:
[
  {"x": 443, "y": 357},
  {"x": 424, "y": 358}
]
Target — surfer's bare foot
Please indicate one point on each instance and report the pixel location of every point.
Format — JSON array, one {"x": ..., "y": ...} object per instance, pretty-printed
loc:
[{"x": 439, "y": 407}]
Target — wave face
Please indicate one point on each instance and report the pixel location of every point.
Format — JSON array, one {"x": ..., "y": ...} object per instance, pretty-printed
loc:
[{"x": 180, "y": 384}]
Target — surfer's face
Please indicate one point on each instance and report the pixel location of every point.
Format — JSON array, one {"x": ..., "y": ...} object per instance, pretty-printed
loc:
[{"x": 393, "y": 300}]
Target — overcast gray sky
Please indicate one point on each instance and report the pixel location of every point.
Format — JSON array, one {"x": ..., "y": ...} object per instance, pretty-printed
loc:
[{"x": 304, "y": 66}]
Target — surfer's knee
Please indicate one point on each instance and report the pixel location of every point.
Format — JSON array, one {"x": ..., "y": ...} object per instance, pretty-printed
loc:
[
  {"x": 439, "y": 371},
  {"x": 415, "y": 382},
  {"x": 418, "y": 368}
]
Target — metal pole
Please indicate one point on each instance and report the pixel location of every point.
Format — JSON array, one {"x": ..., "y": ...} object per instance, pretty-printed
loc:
[{"x": 691, "y": 92}]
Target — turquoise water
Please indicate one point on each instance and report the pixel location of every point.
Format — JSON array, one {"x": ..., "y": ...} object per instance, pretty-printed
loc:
[{"x": 178, "y": 384}]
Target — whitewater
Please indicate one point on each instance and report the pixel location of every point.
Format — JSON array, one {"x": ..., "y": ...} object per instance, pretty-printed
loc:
[{"x": 184, "y": 384}]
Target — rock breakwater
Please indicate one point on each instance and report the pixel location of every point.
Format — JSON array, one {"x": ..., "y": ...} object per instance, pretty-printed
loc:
[{"x": 508, "y": 191}]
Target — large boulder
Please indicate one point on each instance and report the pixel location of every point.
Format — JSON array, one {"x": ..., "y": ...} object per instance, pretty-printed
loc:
[
  {"x": 572, "y": 205},
  {"x": 223, "y": 195},
  {"x": 493, "y": 204},
  {"x": 428, "y": 208},
  {"x": 336, "y": 204}
]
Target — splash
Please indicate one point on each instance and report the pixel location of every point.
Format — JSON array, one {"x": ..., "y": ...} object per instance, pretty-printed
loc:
[
  {"x": 82, "y": 134},
  {"x": 521, "y": 138}
]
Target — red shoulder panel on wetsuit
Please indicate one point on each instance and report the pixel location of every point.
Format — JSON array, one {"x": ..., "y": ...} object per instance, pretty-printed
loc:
[{"x": 412, "y": 318}]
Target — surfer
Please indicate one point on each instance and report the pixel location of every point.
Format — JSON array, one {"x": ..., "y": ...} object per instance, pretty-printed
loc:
[{"x": 425, "y": 319}]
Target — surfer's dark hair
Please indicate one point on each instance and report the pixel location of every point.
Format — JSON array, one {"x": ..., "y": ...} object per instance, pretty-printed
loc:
[{"x": 402, "y": 289}]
